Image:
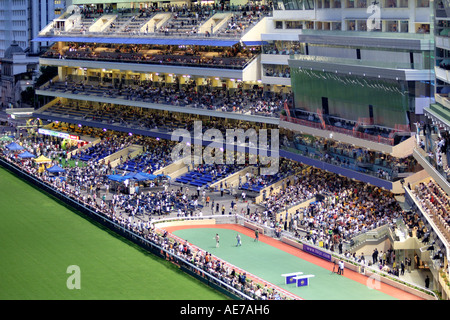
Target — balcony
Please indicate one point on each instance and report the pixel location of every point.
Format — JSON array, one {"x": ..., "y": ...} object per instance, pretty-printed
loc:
[
  {"x": 381, "y": 165},
  {"x": 436, "y": 172},
  {"x": 397, "y": 142},
  {"x": 184, "y": 100},
  {"x": 243, "y": 64},
  {"x": 442, "y": 74},
  {"x": 154, "y": 55},
  {"x": 363, "y": 68},
  {"x": 442, "y": 42},
  {"x": 137, "y": 24},
  {"x": 361, "y": 39},
  {"x": 433, "y": 213},
  {"x": 442, "y": 99}
]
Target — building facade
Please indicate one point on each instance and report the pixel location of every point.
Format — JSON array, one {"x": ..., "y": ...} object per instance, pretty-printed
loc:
[
  {"x": 21, "y": 20},
  {"x": 17, "y": 73}
]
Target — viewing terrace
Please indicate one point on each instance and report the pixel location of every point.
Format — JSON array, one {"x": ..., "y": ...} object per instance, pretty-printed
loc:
[
  {"x": 381, "y": 165},
  {"x": 170, "y": 21},
  {"x": 126, "y": 118},
  {"x": 229, "y": 57},
  {"x": 360, "y": 129},
  {"x": 255, "y": 102},
  {"x": 436, "y": 203}
]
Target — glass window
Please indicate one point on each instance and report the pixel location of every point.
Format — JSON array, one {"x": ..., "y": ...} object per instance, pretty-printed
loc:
[
  {"x": 362, "y": 3},
  {"x": 404, "y": 26},
  {"x": 362, "y": 25},
  {"x": 293, "y": 4},
  {"x": 309, "y": 24},
  {"x": 309, "y": 4},
  {"x": 336, "y": 26},
  {"x": 276, "y": 70},
  {"x": 294, "y": 24},
  {"x": 392, "y": 4},
  {"x": 351, "y": 25},
  {"x": 391, "y": 26},
  {"x": 423, "y": 3},
  {"x": 422, "y": 28}
]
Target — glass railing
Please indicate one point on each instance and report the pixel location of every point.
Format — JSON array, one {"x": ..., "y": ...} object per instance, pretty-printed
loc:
[
  {"x": 353, "y": 133},
  {"x": 444, "y": 173},
  {"x": 371, "y": 235},
  {"x": 355, "y": 62},
  {"x": 183, "y": 97},
  {"x": 186, "y": 60},
  {"x": 380, "y": 35}
]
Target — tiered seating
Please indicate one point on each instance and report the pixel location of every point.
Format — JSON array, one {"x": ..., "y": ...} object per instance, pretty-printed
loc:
[
  {"x": 437, "y": 203},
  {"x": 133, "y": 166},
  {"x": 136, "y": 24},
  {"x": 141, "y": 163},
  {"x": 184, "y": 23},
  {"x": 239, "y": 23},
  {"x": 253, "y": 187},
  {"x": 118, "y": 23},
  {"x": 197, "y": 179},
  {"x": 186, "y": 206},
  {"x": 257, "y": 183},
  {"x": 205, "y": 175},
  {"x": 83, "y": 26},
  {"x": 95, "y": 153}
]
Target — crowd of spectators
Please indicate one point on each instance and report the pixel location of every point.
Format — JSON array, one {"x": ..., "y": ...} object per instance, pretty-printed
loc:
[
  {"x": 185, "y": 19},
  {"x": 99, "y": 151},
  {"x": 233, "y": 57},
  {"x": 435, "y": 143},
  {"x": 240, "y": 22},
  {"x": 155, "y": 203},
  {"x": 251, "y": 181},
  {"x": 342, "y": 208},
  {"x": 382, "y": 165},
  {"x": 277, "y": 71},
  {"x": 436, "y": 203},
  {"x": 283, "y": 47},
  {"x": 257, "y": 101},
  {"x": 154, "y": 157},
  {"x": 81, "y": 183}
]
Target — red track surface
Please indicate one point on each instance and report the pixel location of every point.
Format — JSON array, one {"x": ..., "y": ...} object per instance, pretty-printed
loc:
[{"x": 385, "y": 288}]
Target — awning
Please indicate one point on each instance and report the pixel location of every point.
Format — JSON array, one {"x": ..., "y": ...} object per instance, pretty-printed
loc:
[
  {"x": 14, "y": 146},
  {"x": 56, "y": 169},
  {"x": 117, "y": 177},
  {"x": 254, "y": 43},
  {"x": 26, "y": 155},
  {"x": 156, "y": 41},
  {"x": 42, "y": 159}
]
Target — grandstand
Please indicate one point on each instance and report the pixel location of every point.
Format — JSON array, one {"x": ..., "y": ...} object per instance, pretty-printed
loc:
[{"x": 359, "y": 136}]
